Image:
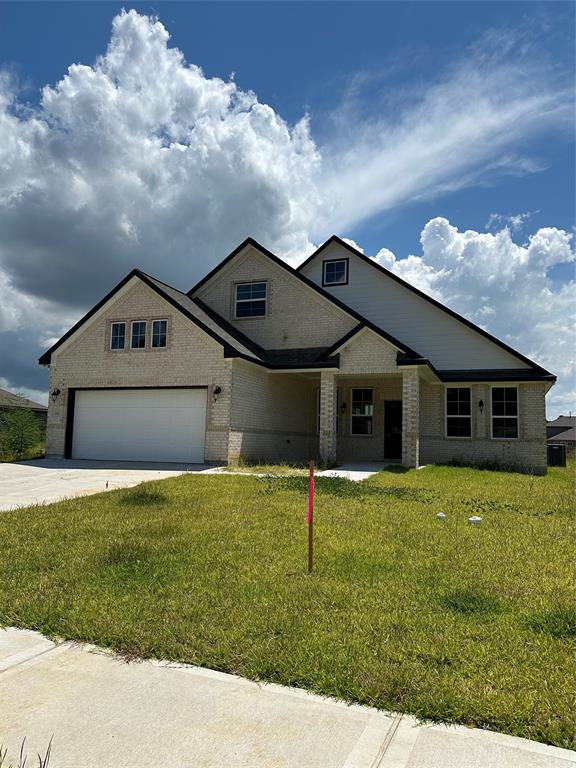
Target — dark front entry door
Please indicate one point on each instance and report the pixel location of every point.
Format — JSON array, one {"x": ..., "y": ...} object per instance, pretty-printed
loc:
[{"x": 392, "y": 429}]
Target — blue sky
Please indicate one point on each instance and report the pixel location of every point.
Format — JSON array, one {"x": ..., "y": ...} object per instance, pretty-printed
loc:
[
  {"x": 439, "y": 136},
  {"x": 301, "y": 56}
]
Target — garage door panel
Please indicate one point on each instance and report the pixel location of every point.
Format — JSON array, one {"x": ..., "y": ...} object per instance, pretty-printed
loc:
[{"x": 140, "y": 425}]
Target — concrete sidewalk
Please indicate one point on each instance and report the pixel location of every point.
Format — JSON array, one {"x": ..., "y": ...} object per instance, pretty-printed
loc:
[{"x": 105, "y": 713}]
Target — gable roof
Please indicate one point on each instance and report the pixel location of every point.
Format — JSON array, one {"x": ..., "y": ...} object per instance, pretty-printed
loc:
[
  {"x": 543, "y": 373},
  {"x": 310, "y": 284},
  {"x": 12, "y": 400},
  {"x": 233, "y": 344}
]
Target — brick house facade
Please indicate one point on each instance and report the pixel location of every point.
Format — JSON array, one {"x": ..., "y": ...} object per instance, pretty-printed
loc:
[{"x": 284, "y": 364}]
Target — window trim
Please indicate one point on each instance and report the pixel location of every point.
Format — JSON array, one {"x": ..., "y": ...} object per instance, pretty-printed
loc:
[
  {"x": 132, "y": 347},
  {"x": 236, "y": 299},
  {"x": 492, "y": 417},
  {"x": 331, "y": 261},
  {"x": 158, "y": 320},
  {"x": 112, "y": 324},
  {"x": 352, "y": 415},
  {"x": 446, "y": 417}
]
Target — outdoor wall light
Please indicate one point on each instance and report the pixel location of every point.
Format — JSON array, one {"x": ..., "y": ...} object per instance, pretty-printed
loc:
[
  {"x": 481, "y": 405},
  {"x": 215, "y": 392},
  {"x": 343, "y": 408},
  {"x": 54, "y": 395}
]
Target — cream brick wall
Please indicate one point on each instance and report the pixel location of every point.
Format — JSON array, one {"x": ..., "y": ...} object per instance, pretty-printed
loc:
[
  {"x": 191, "y": 358},
  {"x": 296, "y": 315},
  {"x": 272, "y": 415},
  {"x": 368, "y": 353},
  {"x": 528, "y": 453}
]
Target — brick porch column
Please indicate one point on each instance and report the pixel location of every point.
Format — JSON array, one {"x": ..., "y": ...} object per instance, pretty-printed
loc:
[
  {"x": 410, "y": 417},
  {"x": 328, "y": 434}
]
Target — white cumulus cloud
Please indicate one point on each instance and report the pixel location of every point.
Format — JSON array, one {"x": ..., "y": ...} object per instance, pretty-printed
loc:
[{"x": 504, "y": 288}]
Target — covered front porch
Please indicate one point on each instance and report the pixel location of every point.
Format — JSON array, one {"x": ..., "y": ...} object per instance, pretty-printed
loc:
[{"x": 370, "y": 417}]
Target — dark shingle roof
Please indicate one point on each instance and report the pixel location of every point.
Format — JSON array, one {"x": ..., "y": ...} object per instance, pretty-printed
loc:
[
  {"x": 567, "y": 435},
  {"x": 562, "y": 421},
  {"x": 12, "y": 400}
]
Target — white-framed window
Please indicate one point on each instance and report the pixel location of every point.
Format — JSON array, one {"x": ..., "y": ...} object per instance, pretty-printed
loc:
[
  {"x": 117, "y": 336},
  {"x": 505, "y": 413},
  {"x": 138, "y": 334},
  {"x": 458, "y": 412},
  {"x": 159, "y": 333},
  {"x": 250, "y": 299},
  {"x": 362, "y": 412},
  {"x": 335, "y": 272}
]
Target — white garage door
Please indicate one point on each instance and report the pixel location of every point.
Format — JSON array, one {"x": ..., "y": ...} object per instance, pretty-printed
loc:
[{"x": 140, "y": 425}]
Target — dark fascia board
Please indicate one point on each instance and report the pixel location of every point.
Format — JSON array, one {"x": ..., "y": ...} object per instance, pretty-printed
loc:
[
  {"x": 481, "y": 374},
  {"x": 429, "y": 299},
  {"x": 45, "y": 358},
  {"x": 229, "y": 328},
  {"x": 228, "y": 350},
  {"x": 332, "y": 299},
  {"x": 495, "y": 374},
  {"x": 344, "y": 339}
]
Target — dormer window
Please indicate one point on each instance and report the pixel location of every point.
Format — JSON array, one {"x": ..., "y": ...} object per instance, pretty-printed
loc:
[
  {"x": 335, "y": 272},
  {"x": 250, "y": 299}
]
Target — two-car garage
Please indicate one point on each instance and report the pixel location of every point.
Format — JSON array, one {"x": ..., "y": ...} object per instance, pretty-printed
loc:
[{"x": 154, "y": 424}]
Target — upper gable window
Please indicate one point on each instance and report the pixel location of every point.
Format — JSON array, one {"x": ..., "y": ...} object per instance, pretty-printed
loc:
[
  {"x": 117, "y": 335},
  {"x": 159, "y": 333},
  {"x": 251, "y": 299},
  {"x": 335, "y": 272},
  {"x": 138, "y": 340}
]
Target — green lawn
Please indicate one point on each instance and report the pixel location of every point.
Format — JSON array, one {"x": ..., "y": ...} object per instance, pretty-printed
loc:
[{"x": 444, "y": 620}]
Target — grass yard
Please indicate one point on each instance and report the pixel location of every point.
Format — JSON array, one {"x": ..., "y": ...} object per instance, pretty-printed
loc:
[{"x": 444, "y": 620}]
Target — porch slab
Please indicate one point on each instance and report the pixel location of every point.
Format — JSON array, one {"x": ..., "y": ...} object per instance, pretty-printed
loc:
[{"x": 355, "y": 471}]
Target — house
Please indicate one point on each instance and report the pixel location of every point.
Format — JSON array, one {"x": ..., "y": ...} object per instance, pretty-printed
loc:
[
  {"x": 339, "y": 359},
  {"x": 562, "y": 431},
  {"x": 9, "y": 401}
]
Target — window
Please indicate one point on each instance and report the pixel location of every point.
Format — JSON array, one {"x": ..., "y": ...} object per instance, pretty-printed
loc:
[
  {"x": 250, "y": 299},
  {"x": 159, "y": 333},
  {"x": 362, "y": 411},
  {"x": 458, "y": 412},
  {"x": 118, "y": 336},
  {"x": 505, "y": 413},
  {"x": 335, "y": 272},
  {"x": 138, "y": 335}
]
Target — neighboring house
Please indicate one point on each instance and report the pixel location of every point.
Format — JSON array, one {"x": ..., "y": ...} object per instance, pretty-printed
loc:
[
  {"x": 9, "y": 401},
  {"x": 339, "y": 359},
  {"x": 562, "y": 431}
]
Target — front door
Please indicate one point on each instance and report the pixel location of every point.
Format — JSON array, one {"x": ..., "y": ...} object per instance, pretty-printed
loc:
[{"x": 392, "y": 429}]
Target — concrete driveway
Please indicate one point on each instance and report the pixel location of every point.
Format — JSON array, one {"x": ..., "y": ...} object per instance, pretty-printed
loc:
[
  {"x": 45, "y": 480},
  {"x": 105, "y": 713}
]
